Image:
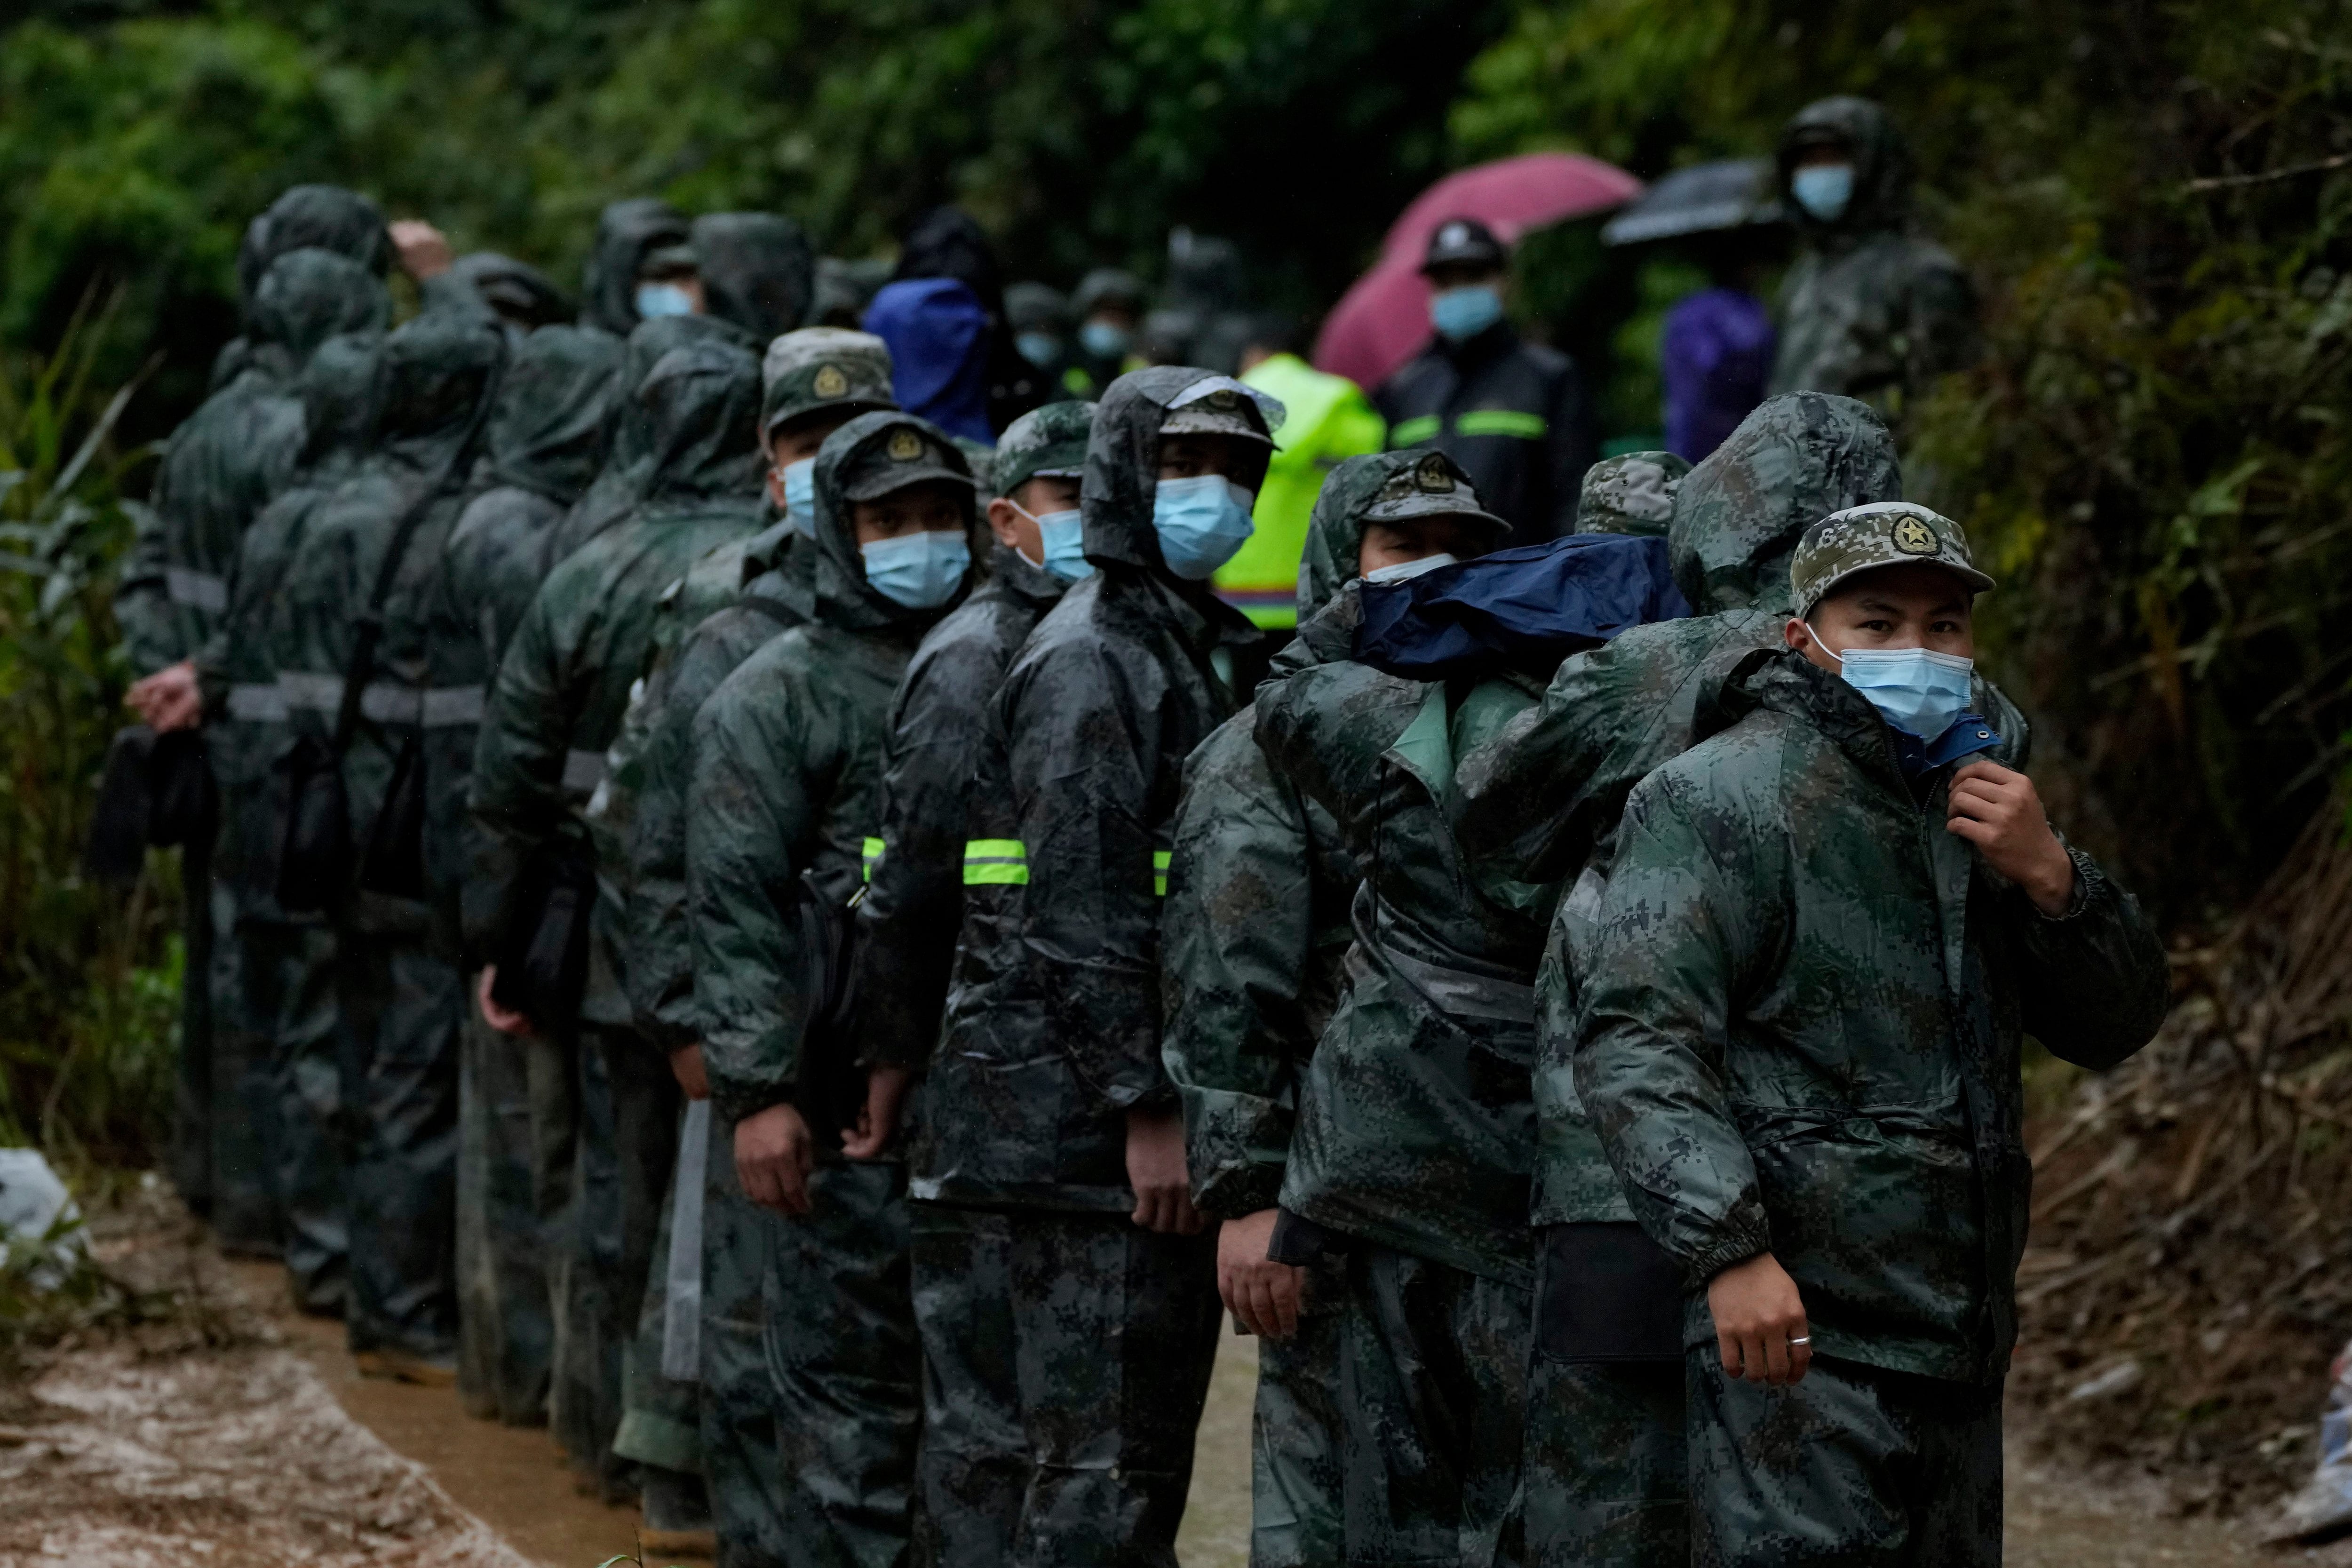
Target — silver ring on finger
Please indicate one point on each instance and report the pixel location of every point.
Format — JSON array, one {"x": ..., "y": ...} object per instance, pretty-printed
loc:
[{"x": 1802, "y": 1339}]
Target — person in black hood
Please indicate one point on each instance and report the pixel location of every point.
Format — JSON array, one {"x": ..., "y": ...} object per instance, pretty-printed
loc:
[
  {"x": 303, "y": 218},
  {"x": 628, "y": 232},
  {"x": 221, "y": 468},
  {"x": 758, "y": 270},
  {"x": 947, "y": 242},
  {"x": 397, "y": 983},
  {"x": 1063, "y": 1289},
  {"x": 547, "y": 434},
  {"x": 1513, "y": 414},
  {"x": 1871, "y": 309}
]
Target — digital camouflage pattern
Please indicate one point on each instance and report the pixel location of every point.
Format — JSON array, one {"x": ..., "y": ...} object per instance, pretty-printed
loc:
[
  {"x": 1871, "y": 309},
  {"x": 787, "y": 759},
  {"x": 787, "y": 779},
  {"x": 1259, "y": 885},
  {"x": 823, "y": 368},
  {"x": 1864, "y": 538},
  {"x": 1757, "y": 866},
  {"x": 397, "y": 981},
  {"x": 914, "y": 896},
  {"x": 1606, "y": 1465},
  {"x": 545, "y": 440},
  {"x": 563, "y": 685},
  {"x": 303, "y": 218},
  {"x": 1631, "y": 493},
  {"x": 634, "y": 452},
  {"x": 1854, "y": 1465},
  {"x": 277, "y": 1004},
  {"x": 1052, "y": 1032},
  {"x": 1059, "y": 1418}
]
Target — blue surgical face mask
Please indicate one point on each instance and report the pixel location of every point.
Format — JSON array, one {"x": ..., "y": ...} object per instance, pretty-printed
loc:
[
  {"x": 1824, "y": 189},
  {"x": 1918, "y": 691},
  {"x": 1040, "y": 348},
  {"x": 663, "y": 300},
  {"x": 1405, "y": 570},
  {"x": 800, "y": 495},
  {"x": 1465, "y": 312},
  {"x": 1201, "y": 523},
  {"x": 920, "y": 571},
  {"x": 1104, "y": 340},
  {"x": 1061, "y": 537}
]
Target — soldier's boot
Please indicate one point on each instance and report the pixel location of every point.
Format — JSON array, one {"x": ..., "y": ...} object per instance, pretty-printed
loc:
[
  {"x": 402, "y": 1004},
  {"x": 1434, "y": 1383}
]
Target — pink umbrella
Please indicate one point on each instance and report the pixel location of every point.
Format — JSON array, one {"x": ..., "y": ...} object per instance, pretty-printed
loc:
[{"x": 1383, "y": 320}]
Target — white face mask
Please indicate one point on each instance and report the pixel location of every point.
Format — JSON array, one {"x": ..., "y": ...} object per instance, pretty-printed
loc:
[
  {"x": 1061, "y": 539},
  {"x": 1915, "y": 689},
  {"x": 1402, "y": 571}
]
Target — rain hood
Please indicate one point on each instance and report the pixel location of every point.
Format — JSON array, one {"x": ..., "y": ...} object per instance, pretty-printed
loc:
[
  {"x": 626, "y": 233},
  {"x": 552, "y": 421},
  {"x": 843, "y": 598},
  {"x": 1881, "y": 164}
]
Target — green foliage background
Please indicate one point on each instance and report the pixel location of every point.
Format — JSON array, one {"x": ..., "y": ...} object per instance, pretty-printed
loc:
[{"x": 2152, "y": 454}]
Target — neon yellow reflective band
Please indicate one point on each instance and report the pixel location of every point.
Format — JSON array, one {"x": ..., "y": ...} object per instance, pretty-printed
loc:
[
  {"x": 1159, "y": 862},
  {"x": 995, "y": 862},
  {"x": 1413, "y": 432},
  {"x": 1501, "y": 422},
  {"x": 872, "y": 852}
]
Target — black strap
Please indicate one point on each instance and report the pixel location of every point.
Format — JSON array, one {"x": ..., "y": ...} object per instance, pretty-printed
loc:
[{"x": 362, "y": 669}]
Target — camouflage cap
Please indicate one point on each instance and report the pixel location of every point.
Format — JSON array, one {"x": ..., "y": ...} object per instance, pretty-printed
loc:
[
  {"x": 1220, "y": 405},
  {"x": 912, "y": 454},
  {"x": 1435, "y": 486},
  {"x": 1883, "y": 534},
  {"x": 823, "y": 367},
  {"x": 1631, "y": 493},
  {"x": 1048, "y": 440}
]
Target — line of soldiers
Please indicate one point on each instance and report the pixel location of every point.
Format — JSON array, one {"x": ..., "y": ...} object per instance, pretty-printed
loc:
[{"x": 780, "y": 942}]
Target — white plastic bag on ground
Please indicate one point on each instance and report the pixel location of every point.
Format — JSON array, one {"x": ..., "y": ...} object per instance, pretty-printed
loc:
[
  {"x": 2324, "y": 1507},
  {"x": 37, "y": 1215}
]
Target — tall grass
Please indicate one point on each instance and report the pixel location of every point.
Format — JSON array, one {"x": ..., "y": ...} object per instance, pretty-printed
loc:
[{"x": 89, "y": 973}]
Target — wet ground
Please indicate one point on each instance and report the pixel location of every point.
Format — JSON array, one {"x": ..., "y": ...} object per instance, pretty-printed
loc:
[{"x": 124, "y": 1457}]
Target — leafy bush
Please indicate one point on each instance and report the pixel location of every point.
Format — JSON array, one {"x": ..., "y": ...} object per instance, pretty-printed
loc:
[{"x": 88, "y": 974}]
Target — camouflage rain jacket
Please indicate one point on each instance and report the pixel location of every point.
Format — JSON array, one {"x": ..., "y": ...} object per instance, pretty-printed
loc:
[
  {"x": 787, "y": 757},
  {"x": 1802, "y": 1018},
  {"x": 914, "y": 903},
  {"x": 1414, "y": 1128},
  {"x": 1871, "y": 309},
  {"x": 563, "y": 685},
  {"x": 1259, "y": 886},
  {"x": 1544, "y": 797},
  {"x": 626, "y": 233},
  {"x": 434, "y": 372},
  {"x": 235, "y": 453},
  {"x": 730, "y": 604},
  {"x": 545, "y": 441},
  {"x": 1053, "y": 1024},
  {"x": 247, "y": 721}
]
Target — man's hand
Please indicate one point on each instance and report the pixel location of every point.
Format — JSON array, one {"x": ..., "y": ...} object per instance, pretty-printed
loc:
[
  {"x": 1155, "y": 1169},
  {"x": 877, "y": 1120},
  {"x": 685, "y": 1066},
  {"x": 168, "y": 699},
  {"x": 1261, "y": 1293},
  {"x": 1997, "y": 810},
  {"x": 1759, "y": 1321},
  {"x": 774, "y": 1155},
  {"x": 504, "y": 1020},
  {"x": 423, "y": 250}
]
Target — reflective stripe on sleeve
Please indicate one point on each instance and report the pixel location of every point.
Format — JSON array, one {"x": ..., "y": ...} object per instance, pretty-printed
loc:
[
  {"x": 1501, "y": 422},
  {"x": 452, "y": 705},
  {"x": 995, "y": 862},
  {"x": 197, "y": 590},
  {"x": 1160, "y": 863},
  {"x": 257, "y": 702},
  {"x": 1414, "y": 431},
  {"x": 583, "y": 770},
  {"x": 869, "y": 855}
]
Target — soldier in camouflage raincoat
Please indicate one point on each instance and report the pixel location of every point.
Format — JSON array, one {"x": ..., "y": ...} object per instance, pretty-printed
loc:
[
  {"x": 1259, "y": 886},
  {"x": 222, "y": 467},
  {"x": 1068, "y": 1312},
  {"x": 915, "y": 901},
  {"x": 1631, "y": 493},
  {"x": 785, "y": 801},
  {"x": 627, "y": 232},
  {"x": 1407, "y": 1168},
  {"x": 555, "y": 707},
  {"x": 398, "y": 984},
  {"x": 545, "y": 441},
  {"x": 728, "y": 604},
  {"x": 1805, "y": 995},
  {"x": 1871, "y": 309},
  {"x": 276, "y": 992}
]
